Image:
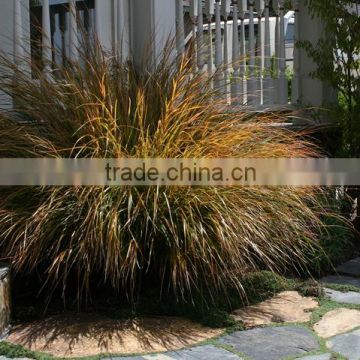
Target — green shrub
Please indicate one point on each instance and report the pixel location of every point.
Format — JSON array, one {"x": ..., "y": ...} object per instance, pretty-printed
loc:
[
  {"x": 14, "y": 351},
  {"x": 309, "y": 287},
  {"x": 337, "y": 242},
  {"x": 217, "y": 318},
  {"x": 263, "y": 284}
]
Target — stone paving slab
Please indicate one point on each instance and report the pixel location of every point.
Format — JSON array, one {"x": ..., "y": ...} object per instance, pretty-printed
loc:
[
  {"x": 348, "y": 345},
  {"x": 123, "y": 358},
  {"x": 337, "y": 321},
  {"x": 349, "y": 297},
  {"x": 326, "y": 356},
  {"x": 351, "y": 268},
  {"x": 341, "y": 280},
  {"x": 205, "y": 352},
  {"x": 272, "y": 343},
  {"x": 287, "y": 306}
]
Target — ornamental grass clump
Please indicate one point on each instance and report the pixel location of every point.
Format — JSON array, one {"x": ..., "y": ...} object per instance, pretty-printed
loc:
[{"x": 185, "y": 240}]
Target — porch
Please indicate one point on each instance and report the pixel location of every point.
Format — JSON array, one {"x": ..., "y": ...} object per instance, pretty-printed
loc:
[{"x": 248, "y": 47}]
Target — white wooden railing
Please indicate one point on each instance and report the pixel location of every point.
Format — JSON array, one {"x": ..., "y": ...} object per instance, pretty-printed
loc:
[
  {"x": 248, "y": 66},
  {"x": 241, "y": 60},
  {"x": 60, "y": 25}
]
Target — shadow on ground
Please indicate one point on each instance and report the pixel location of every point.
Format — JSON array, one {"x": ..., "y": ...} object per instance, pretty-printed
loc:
[{"x": 84, "y": 334}]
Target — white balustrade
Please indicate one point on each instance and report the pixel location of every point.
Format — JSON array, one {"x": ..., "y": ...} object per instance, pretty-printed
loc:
[
  {"x": 225, "y": 12},
  {"x": 267, "y": 81},
  {"x": 123, "y": 29},
  {"x": 276, "y": 57},
  {"x": 200, "y": 37},
  {"x": 218, "y": 48},
  {"x": 260, "y": 7},
  {"x": 252, "y": 84},
  {"x": 243, "y": 55},
  {"x": 209, "y": 12},
  {"x": 58, "y": 59},
  {"x": 295, "y": 88},
  {"x": 283, "y": 96},
  {"x": 73, "y": 31},
  {"x": 242, "y": 59},
  {"x": 97, "y": 20},
  {"x": 236, "y": 87},
  {"x": 61, "y": 34},
  {"x": 194, "y": 8},
  {"x": 46, "y": 37},
  {"x": 18, "y": 33},
  {"x": 180, "y": 33}
]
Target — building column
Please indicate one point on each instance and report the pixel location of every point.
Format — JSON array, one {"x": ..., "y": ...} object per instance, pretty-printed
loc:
[
  {"x": 153, "y": 23},
  {"x": 312, "y": 91}
]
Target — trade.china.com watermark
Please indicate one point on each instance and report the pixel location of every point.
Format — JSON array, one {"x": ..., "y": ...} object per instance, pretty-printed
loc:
[{"x": 180, "y": 172}]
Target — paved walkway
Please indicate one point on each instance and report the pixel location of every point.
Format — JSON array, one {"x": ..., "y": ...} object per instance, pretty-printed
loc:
[
  {"x": 283, "y": 341},
  {"x": 286, "y": 341}
]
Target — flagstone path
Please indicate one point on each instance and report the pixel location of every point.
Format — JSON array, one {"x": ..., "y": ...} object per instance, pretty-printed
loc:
[
  {"x": 285, "y": 332},
  {"x": 339, "y": 329}
]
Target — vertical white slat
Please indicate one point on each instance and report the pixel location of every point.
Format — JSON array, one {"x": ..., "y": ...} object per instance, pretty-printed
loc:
[
  {"x": 62, "y": 43},
  {"x": 225, "y": 11},
  {"x": 194, "y": 19},
  {"x": 200, "y": 37},
  {"x": 114, "y": 26},
  {"x": 251, "y": 90},
  {"x": 123, "y": 28},
  {"x": 117, "y": 33},
  {"x": 243, "y": 66},
  {"x": 57, "y": 41},
  {"x": 66, "y": 37},
  {"x": 92, "y": 25},
  {"x": 236, "y": 83},
  {"x": 283, "y": 93},
  {"x": 242, "y": 4},
  {"x": 218, "y": 48},
  {"x": 97, "y": 20},
  {"x": 260, "y": 6},
  {"x": 295, "y": 87},
  {"x": 18, "y": 33},
  {"x": 225, "y": 7},
  {"x": 73, "y": 31},
  {"x": 194, "y": 8},
  {"x": 267, "y": 81},
  {"x": 82, "y": 37},
  {"x": 180, "y": 33},
  {"x": 46, "y": 36},
  {"x": 209, "y": 12},
  {"x": 276, "y": 63}
]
